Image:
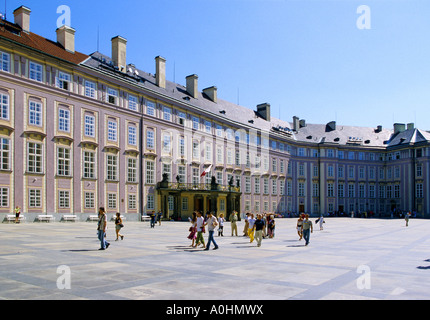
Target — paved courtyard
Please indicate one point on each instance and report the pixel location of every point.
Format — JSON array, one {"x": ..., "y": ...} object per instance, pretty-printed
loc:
[{"x": 349, "y": 259}]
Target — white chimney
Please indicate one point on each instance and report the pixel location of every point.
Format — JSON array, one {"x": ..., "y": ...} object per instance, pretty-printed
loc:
[
  {"x": 22, "y": 18},
  {"x": 119, "y": 53},
  {"x": 66, "y": 37},
  {"x": 192, "y": 85},
  {"x": 211, "y": 93},
  {"x": 160, "y": 71}
]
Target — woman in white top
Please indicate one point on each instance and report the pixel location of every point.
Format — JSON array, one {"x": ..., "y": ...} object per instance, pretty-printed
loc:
[{"x": 221, "y": 225}]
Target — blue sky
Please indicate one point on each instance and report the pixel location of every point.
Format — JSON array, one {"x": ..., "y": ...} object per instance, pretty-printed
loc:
[{"x": 307, "y": 58}]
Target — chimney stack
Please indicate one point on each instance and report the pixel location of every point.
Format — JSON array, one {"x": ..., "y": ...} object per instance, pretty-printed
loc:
[
  {"x": 119, "y": 52},
  {"x": 192, "y": 85},
  {"x": 211, "y": 93},
  {"x": 22, "y": 18},
  {"x": 263, "y": 111},
  {"x": 160, "y": 71},
  {"x": 411, "y": 126},
  {"x": 399, "y": 127},
  {"x": 66, "y": 37}
]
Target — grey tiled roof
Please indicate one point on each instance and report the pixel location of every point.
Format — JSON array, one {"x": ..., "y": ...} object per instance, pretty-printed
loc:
[{"x": 240, "y": 115}]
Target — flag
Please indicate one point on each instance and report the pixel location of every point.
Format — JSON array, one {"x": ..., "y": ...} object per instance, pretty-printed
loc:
[{"x": 206, "y": 171}]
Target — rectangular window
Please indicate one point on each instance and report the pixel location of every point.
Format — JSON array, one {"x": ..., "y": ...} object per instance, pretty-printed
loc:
[
  {"x": 419, "y": 190},
  {"x": 35, "y": 113},
  {"x": 150, "y": 108},
  {"x": 4, "y": 106},
  {"x": 64, "y": 120},
  {"x": 133, "y": 103},
  {"x": 150, "y": 142},
  {"x": 63, "y": 199},
  {"x": 132, "y": 201},
  {"x": 150, "y": 172},
  {"x": 90, "y": 124},
  {"x": 63, "y": 81},
  {"x": 36, "y": 72},
  {"x": 4, "y": 154},
  {"x": 132, "y": 170},
  {"x": 111, "y": 167},
  {"x": 257, "y": 185},
  {"x": 182, "y": 174},
  {"x": 112, "y": 96},
  {"x": 34, "y": 157},
  {"x": 4, "y": 62},
  {"x": 167, "y": 114},
  {"x": 89, "y": 200},
  {"x": 63, "y": 162},
  {"x": 150, "y": 203},
  {"x": 112, "y": 200},
  {"x": 90, "y": 89},
  {"x": 34, "y": 198},
  {"x": 167, "y": 143},
  {"x": 4, "y": 197},
  {"x": 89, "y": 165},
  {"x": 132, "y": 136},
  {"x": 196, "y": 123},
  {"x": 112, "y": 130}
]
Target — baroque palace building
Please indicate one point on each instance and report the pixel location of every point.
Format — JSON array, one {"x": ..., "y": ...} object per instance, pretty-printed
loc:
[{"x": 81, "y": 131}]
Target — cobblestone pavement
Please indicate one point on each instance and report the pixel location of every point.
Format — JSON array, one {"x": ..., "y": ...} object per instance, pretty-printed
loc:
[{"x": 349, "y": 259}]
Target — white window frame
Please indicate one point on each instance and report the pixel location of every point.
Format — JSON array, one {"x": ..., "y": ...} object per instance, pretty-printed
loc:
[
  {"x": 35, "y": 71},
  {"x": 90, "y": 126},
  {"x": 90, "y": 89},
  {"x": 63, "y": 120}
]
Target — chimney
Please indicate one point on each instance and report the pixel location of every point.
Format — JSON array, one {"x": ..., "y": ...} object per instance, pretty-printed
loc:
[
  {"x": 399, "y": 127},
  {"x": 296, "y": 123},
  {"x": 160, "y": 71},
  {"x": 66, "y": 37},
  {"x": 411, "y": 126},
  {"x": 211, "y": 93},
  {"x": 331, "y": 126},
  {"x": 119, "y": 52},
  {"x": 378, "y": 129},
  {"x": 302, "y": 123},
  {"x": 263, "y": 111},
  {"x": 22, "y": 18},
  {"x": 192, "y": 85}
]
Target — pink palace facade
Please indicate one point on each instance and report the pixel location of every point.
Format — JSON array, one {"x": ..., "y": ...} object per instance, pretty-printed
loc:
[{"x": 82, "y": 131}]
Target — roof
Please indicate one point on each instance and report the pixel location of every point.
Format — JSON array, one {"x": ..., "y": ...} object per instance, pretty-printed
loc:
[{"x": 13, "y": 32}]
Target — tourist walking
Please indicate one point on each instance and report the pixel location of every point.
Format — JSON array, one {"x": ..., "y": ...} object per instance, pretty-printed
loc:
[
  {"x": 407, "y": 216},
  {"x": 259, "y": 227},
  {"x": 299, "y": 227},
  {"x": 307, "y": 229},
  {"x": 193, "y": 229},
  {"x": 17, "y": 214},
  {"x": 200, "y": 225},
  {"x": 251, "y": 222},
  {"x": 118, "y": 226},
  {"x": 233, "y": 220},
  {"x": 211, "y": 222},
  {"x": 245, "y": 228},
  {"x": 321, "y": 222},
  {"x": 159, "y": 215},
  {"x": 101, "y": 229},
  {"x": 271, "y": 226},
  {"x": 153, "y": 218},
  {"x": 221, "y": 225}
]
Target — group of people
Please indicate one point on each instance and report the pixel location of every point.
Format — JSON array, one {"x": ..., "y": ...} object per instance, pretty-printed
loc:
[
  {"x": 198, "y": 227},
  {"x": 256, "y": 229},
  {"x": 101, "y": 228}
]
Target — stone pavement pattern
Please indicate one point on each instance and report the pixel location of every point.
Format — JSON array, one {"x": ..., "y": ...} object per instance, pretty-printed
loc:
[{"x": 158, "y": 264}]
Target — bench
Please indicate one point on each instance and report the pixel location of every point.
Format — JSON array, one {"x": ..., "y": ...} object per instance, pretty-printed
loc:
[
  {"x": 70, "y": 217},
  {"x": 114, "y": 217},
  {"x": 12, "y": 217},
  {"x": 93, "y": 218},
  {"x": 45, "y": 217},
  {"x": 146, "y": 218}
]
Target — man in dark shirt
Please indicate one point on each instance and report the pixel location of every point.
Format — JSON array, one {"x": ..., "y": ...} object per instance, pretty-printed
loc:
[
  {"x": 307, "y": 229},
  {"x": 259, "y": 226}
]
